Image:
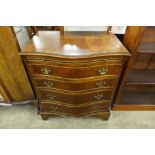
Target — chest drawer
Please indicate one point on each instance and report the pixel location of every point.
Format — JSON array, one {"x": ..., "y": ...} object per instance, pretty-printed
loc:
[
  {"x": 75, "y": 85},
  {"x": 76, "y": 72},
  {"x": 76, "y": 98},
  {"x": 71, "y": 110}
]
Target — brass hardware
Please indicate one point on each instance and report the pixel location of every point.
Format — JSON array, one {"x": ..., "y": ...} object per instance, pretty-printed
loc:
[
  {"x": 51, "y": 96},
  {"x": 48, "y": 84},
  {"x": 103, "y": 70},
  {"x": 96, "y": 107},
  {"x": 53, "y": 108},
  {"x": 105, "y": 60},
  {"x": 45, "y": 70},
  {"x": 100, "y": 84},
  {"x": 98, "y": 96}
]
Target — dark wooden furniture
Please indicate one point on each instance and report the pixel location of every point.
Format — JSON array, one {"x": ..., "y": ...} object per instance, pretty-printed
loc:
[
  {"x": 137, "y": 91},
  {"x": 34, "y": 29},
  {"x": 50, "y": 28},
  {"x": 74, "y": 74}
]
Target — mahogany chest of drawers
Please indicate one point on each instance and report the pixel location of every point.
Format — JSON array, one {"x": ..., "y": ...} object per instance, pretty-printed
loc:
[{"x": 75, "y": 73}]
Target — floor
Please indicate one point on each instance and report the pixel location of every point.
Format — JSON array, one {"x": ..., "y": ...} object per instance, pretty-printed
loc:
[{"x": 25, "y": 117}]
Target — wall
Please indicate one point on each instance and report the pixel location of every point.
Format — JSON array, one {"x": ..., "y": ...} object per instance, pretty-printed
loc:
[{"x": 115, "y": 29}]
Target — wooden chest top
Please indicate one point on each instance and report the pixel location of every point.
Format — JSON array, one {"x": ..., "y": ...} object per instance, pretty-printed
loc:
[{"x": 75, "y": 44}]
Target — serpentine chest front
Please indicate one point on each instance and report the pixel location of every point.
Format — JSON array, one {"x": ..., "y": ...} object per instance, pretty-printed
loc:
[{"x": 76, "y": 73}]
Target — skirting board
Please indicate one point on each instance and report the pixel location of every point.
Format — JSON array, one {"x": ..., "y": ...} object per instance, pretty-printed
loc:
[
  {"x": 18, "y": 103},
  {"x": 117, "y": 107}
]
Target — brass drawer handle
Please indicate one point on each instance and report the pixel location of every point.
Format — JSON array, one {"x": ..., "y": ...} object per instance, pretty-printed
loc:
[
  {"x": 45, "y": 70},
  {"x": 103, "y": 70},
  {"x": 48, "y": 84},
  {"x": 51, "y": 96},
  {"x": 105, "y": 60},
  {"x": 98, "y": 96},
  {"x": 100, "y": 84},
  {"x": 96, "y": 107},
  {"x": 53, "y": 108}
]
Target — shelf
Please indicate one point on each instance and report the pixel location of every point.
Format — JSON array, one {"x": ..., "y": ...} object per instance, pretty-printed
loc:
[
  {"x": 149, "y": 34},
  {"x": 147, "y": 47},
  {"x": 138, "y": 95},
  {"x": 142, "y": 77},
  {"x": 147, "y": 51}
]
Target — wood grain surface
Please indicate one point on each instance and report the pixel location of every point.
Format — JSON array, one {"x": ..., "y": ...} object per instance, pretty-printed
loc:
[{"x": 12, "y": 70}]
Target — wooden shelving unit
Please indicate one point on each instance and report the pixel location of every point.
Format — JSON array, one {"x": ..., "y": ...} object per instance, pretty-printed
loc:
[{"x": 138, "y": 85}]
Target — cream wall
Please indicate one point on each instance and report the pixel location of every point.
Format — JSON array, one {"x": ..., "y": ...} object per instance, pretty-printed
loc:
[{"x": 115, "y": 29}]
